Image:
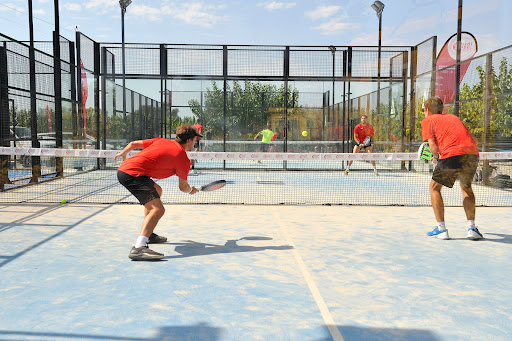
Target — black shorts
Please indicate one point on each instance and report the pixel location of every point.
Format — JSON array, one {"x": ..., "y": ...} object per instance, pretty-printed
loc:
[
  {"x": 264, "y": 147},
  {"x": 142, "y": 187},
  {"x": 462, "y": 167},
  {"x": 197, "y": 145}
]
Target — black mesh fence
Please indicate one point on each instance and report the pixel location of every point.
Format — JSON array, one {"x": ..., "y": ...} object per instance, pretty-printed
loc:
[{"x": 311, "y": 97}]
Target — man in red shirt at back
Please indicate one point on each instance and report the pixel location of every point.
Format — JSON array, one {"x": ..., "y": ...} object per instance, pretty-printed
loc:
[
  {"x": 456, "y": 156},
  {"x": 361, "y": 132},
  {"x": 159, "y": 158}
]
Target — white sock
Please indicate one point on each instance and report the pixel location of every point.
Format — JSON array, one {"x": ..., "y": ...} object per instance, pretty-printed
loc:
[
  {"x": 471, "y": 224},
  {"x": 441, "y": 226},
  {"x": 141, "y": 241},
  {"x": 347, "y": 167},
  {"x": 375, "y": 168}
]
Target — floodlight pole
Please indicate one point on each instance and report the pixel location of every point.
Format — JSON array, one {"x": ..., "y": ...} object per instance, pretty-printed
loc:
[
  {"x": 124, "y": 4},
  {"x": 378, "y": 6}
]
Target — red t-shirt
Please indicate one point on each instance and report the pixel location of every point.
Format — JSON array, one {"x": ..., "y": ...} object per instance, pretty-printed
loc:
[
  {"x": 160, "y": 159},
  {"x": 360, "y": 131},
  {"x": 450, "y": 134},
  {"x": 199, "y": 128}
]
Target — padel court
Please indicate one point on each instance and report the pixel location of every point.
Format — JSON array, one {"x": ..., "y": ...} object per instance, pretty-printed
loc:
[{"x": 253, "y": 273}]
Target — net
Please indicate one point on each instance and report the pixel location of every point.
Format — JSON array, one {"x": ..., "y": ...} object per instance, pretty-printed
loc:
[{"x": 259, "y": 178}]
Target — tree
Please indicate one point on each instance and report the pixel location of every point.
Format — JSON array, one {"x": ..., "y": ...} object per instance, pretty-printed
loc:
[{"x": 248, "y": 107}]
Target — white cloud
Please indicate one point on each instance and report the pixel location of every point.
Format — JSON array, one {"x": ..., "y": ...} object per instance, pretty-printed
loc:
[
  {"x": 335, "y": 26},
  {"x": 196, "y": 13},
  {"x": 272, "y": 6},
  {"x": 102, "y": 6},
  {"x": 143, "y": 11},
  {"x": 73, "y": 7},
  {"x": 39, "y": 12},
  {"x": 323, "y": 12},
  {"x": 11, "y": 7}
]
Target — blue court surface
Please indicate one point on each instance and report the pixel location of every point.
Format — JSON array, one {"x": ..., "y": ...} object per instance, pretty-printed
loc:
[{"x": 254, "y": 273}]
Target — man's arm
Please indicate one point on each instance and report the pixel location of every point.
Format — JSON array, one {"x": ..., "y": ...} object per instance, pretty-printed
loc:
[
  {"x": 255, "y": 137},
  {"x": 129, "y": 147},
  {"x": 434, "y": 149},
  {"x": 186, "y": 188}
]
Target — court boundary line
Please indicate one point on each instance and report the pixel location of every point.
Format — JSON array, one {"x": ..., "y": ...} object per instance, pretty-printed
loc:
[{"x": 324, "y": 310}]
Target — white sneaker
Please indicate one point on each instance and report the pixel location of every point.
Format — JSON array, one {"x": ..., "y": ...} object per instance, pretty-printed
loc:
[
  {"x": 474, "y": 234},
  {"x": 346, "y": 172},
  {"x": 440, "y": 234},
  {"x": 376, "y": 174}
]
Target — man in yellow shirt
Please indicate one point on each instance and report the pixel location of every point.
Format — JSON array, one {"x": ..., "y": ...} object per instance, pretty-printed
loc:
[{"x": 266, "y": 137}]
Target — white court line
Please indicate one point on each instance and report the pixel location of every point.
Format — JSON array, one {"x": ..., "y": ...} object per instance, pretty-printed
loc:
[{"x": 326, "y": 315}]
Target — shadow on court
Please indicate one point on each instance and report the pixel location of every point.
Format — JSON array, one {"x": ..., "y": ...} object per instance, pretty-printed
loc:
[
  {"x": 353, "y": 333},
  {"x": 503, "y": 238},
  {"x": 191, "y": 248},
  {"x": 31, "y": 241},
  {"x": 199, "y": 332}
]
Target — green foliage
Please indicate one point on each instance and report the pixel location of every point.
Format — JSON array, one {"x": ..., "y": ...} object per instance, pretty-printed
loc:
[{"x": 248, "y": 107}]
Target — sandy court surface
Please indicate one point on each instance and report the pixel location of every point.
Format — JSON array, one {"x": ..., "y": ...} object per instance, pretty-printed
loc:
[{"x": 253, "y": 273}]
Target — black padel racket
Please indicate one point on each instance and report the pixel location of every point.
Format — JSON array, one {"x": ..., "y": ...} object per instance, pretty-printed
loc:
[
  {"x": 367, "y": 141},
  {"x": 212, "y": 186}
]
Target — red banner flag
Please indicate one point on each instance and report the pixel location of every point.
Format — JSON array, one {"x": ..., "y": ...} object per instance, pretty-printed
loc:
[
  {"x": 85, "y": 93},
  {"x": 445, "y": 77}
]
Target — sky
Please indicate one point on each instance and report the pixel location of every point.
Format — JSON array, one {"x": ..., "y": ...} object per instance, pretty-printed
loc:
[
  {"x": 279, "y": 22},
  {"x": 261, "y": 22}
]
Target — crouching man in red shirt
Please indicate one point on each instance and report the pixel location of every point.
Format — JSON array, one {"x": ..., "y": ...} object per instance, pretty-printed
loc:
[{"x": 159, "y": 159}]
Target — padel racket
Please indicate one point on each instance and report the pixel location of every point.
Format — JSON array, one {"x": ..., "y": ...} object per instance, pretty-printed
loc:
[
  {"x": 424, "y": 152},
  {"x": 367, "y": 141},
  {"x": 212, "y": 186}
]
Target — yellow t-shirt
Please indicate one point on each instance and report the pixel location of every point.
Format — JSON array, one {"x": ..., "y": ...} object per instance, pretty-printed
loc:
[{"x": 267, "y": 135}]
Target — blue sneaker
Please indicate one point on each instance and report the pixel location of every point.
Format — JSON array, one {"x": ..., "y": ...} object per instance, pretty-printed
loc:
[
  {"x": 441, "y": 234},
  {"x": 474, "y": 234}
]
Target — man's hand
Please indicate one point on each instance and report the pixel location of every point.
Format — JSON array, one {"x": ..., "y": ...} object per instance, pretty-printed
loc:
[{"x": 120, "y": 154}]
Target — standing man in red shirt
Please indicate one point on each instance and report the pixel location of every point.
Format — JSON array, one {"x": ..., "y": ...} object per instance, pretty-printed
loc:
[
  {"x": 197, "y": 146},
  {"x": 361, "y": 132},
  {"x": 455, "y": 153},
  {"x": 159, "y": 159}
]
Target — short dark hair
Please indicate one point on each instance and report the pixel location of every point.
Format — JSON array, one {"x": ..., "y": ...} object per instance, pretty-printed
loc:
[
  {"x": 434, "y": 104},
  {"x": 184, "y": 133}
]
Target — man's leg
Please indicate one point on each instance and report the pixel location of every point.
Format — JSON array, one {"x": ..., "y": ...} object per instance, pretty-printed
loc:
[
  {"x": 154, "y": 238},
  {"x": 355, "y": 151},
  {"x": 437, "y": 200},
  {"x": 468, "y": 202},
  {"x": 438, "y": 206},
  {"x": 370, "y": 150},
  {"x": 155, "y": 210}
]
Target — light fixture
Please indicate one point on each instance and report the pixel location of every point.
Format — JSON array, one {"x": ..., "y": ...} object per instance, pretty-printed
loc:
[
  {"x": 378, "y": 7},
  {"x": 124, "y": 4}
]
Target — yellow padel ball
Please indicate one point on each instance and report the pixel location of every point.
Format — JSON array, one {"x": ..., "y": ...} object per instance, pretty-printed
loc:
[{"x": 304, "y": 133}]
